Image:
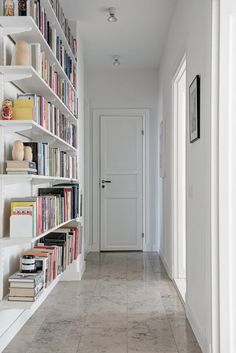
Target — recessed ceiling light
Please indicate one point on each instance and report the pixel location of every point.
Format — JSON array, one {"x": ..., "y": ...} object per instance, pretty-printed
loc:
[
  {"x": 112, "y": 15},
  {"x": 116, "y": 60}
]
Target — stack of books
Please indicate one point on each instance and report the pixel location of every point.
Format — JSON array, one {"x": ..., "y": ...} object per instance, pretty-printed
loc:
[
  {"x": 21, "y": 168},
  {"x": 25, "y": 287},
  {"x": 32, "y": 216}
]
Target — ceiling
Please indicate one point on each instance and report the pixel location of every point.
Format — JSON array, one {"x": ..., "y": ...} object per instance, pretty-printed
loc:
[{"x": 138, "y": 36}]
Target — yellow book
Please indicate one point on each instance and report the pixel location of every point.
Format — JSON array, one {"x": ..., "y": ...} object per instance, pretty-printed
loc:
[
  {"x": 23, "y": 103},
  {"x": 23, "y": 109},
  {"x": 16, "y": 204}
]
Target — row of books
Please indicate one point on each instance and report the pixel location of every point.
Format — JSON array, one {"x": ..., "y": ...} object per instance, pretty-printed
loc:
[
  {"x": 44, "y": 113},
  {"x": 48, "y": 73},
  {"x": 47, "y": 161},
  {"x": 52, "y": 256},
  {"x": 36, "y": 10},
  {"x": 62, "y": 56},
  {"x": 32, "y": 216},
  {"x": 64, "y": 25}
]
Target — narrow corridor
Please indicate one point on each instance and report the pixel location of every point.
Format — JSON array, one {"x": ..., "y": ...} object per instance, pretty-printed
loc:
[{"x": 124, "y": 304}]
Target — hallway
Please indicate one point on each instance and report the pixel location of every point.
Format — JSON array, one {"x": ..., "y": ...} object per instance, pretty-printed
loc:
[{"x": 124, "y": 304}]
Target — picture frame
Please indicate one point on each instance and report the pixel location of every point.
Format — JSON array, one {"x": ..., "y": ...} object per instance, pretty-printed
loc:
[{"x": 194, "y": 109}]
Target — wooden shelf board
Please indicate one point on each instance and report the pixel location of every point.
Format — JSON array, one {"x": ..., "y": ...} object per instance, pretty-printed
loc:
[
  {"x": 33, "y": 36},
  {"x": 28, "y": 80}
]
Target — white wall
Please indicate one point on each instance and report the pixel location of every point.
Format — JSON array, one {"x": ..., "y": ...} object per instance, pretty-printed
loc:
[
  {"x": 117, "y": 88},
  {"x": 190, "y": 33}
]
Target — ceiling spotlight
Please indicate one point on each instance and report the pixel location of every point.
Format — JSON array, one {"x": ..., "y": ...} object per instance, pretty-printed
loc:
[
  {"x": 116, "y": 60},
  {"x": 112, "y": 15}
]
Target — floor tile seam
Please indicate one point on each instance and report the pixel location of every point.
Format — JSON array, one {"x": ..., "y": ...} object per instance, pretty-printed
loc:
[{"x": 172, "y": 331}]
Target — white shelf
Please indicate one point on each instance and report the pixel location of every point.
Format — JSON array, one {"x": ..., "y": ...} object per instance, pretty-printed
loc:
[
  {"x": 6, "y": 304},
  {"x": 37, "y": 179},
  {"x": 51, "y": 16},
  {"x": 26, "y": 29},
  {"x": 8, "y": 242},
  {"x": 34, "y": 131},
  {"x": 28, "y": 80}
]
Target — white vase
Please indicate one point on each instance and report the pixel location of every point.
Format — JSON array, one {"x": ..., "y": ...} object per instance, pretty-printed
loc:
[{"x": 18, "y": 151}]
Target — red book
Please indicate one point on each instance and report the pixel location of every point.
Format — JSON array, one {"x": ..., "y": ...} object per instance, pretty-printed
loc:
[{"x": 40, "y": 223}]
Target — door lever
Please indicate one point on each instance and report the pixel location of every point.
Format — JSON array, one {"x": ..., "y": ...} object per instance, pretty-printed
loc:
[{"x": 106, "y": 181}]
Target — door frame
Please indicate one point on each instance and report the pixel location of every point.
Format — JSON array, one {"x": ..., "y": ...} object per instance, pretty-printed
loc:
[
  {"x": 182, "y": 65},
  {"x": 96, "y": 228}
]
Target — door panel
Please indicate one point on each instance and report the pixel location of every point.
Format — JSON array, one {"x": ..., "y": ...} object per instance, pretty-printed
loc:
[{"x": 121, "y": 198}]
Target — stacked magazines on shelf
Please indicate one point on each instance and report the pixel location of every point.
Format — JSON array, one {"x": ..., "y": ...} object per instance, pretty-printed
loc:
[
  {"x": 25, "y": 287},
  {"x": 53, "y": 162},
  {"x": 21, "y": 168},
  {"x": 32, "y": 107},
  {"x": 32, "y": 216}
]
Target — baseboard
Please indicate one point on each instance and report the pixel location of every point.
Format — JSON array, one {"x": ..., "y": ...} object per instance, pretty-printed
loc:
[
  {"x": 202, "y": 340},
  {"x": 165, "y": 264}
]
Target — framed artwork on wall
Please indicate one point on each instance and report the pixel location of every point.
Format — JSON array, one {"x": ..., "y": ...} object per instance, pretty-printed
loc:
[{"x": 194, "y": 109}]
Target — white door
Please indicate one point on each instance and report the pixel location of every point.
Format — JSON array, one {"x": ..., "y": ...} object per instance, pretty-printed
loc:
[{"x": 121, "y": 173}]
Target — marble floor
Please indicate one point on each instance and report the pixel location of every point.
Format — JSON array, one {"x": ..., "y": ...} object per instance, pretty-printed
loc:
[{"x": 124, "y": 304}]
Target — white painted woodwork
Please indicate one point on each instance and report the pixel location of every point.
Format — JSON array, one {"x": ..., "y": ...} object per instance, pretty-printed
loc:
[{"x": 121, "y": 200}]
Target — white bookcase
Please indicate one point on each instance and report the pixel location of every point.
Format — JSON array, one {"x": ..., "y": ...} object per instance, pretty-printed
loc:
[{"x": 14, "y": 79}]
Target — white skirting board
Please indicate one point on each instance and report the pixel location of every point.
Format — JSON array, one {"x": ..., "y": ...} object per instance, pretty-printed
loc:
[
  {"x": 201, "y": 338},
  {"x": 14, "y": 315}
]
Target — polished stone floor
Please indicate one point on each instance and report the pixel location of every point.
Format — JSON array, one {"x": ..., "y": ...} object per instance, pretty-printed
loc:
[{"x": 124, "y": 304}]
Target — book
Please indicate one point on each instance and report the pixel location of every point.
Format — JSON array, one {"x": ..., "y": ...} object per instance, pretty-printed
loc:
[
  {"x": 23, "y": 109},
  {"x": 25, "y": 292},
  {"x": 24, "y": 211},
  {"x": 21, "y": 164},
  {"x": 21, "y": 173},
  {"x": 10, "y": 169},
  {"x": 21, "y": 285},
  {"x": 36, "y": 57},
  {"x": 25, "y": 299},
  {"x": 33, "y": 99},
  {"x": 20, "y": 277},
  {"x": 37, "y": 155}
]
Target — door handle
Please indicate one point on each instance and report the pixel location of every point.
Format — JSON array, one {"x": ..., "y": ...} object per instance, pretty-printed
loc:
[{"x": 106, "y": 181}]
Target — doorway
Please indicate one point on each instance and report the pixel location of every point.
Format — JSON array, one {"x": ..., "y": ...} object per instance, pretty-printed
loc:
[
  {"x": 120, "y": 180},
  {"x": 179, "y": 204}
]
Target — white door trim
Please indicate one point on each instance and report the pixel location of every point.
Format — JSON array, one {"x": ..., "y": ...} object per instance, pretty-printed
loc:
[
  {"x": 97, "y": 113},
  {"x": 179, "y": 73}
]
